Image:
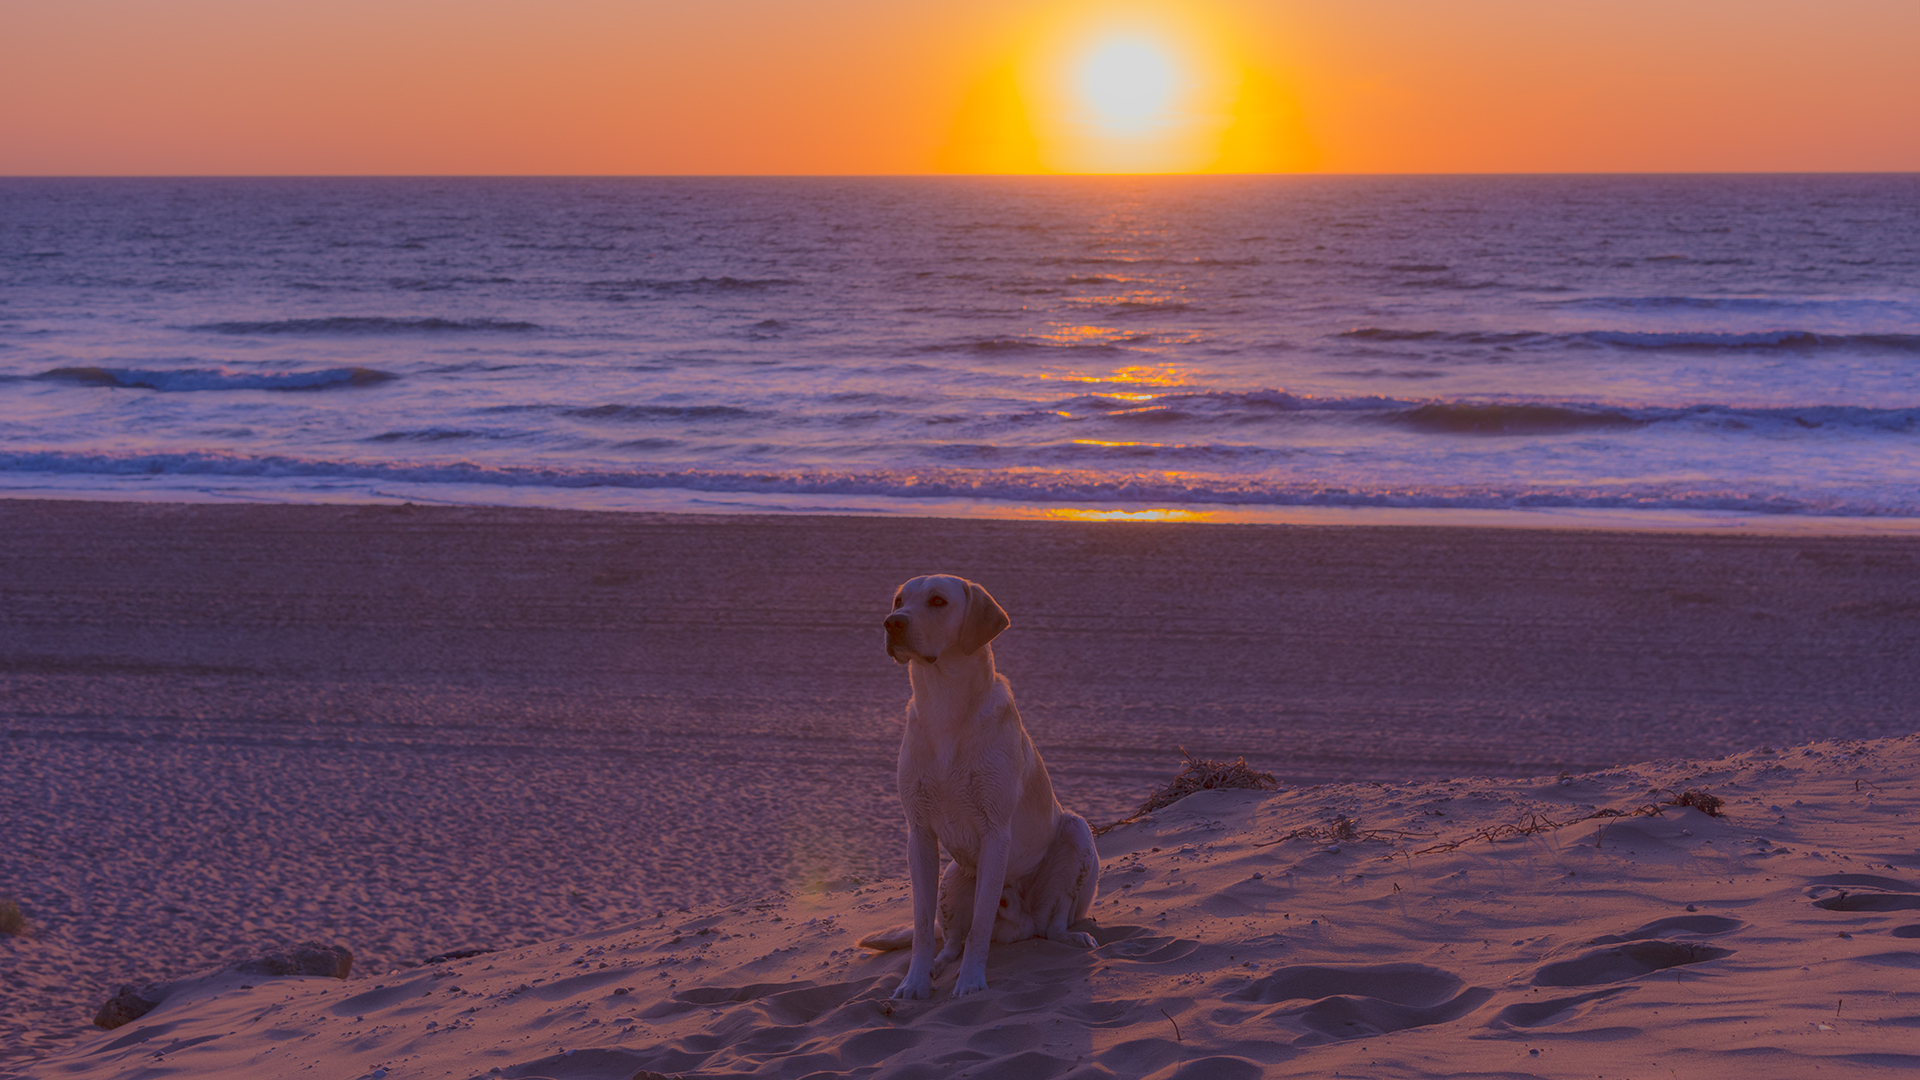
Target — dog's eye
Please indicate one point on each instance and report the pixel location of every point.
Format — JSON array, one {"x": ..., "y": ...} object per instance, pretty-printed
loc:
[
  {"x": 937, "y": 601},
  {"x": 896, "y": 603}
]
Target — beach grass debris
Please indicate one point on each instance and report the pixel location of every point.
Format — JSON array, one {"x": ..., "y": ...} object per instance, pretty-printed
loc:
[
  {"x": 1696, "y": 798},
  {"x": 1200, "y": 774},
  {"x": 1699, "y": 799},
  {"x": 13, "y": 919},
  {"x": 1341, "y": 830},
  {"x": 1205, "y": 774}
]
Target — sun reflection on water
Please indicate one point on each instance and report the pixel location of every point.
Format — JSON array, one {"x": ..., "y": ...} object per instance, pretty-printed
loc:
[
  {"x": 1077, "y": 514},
  {"x": 1089, "y": 335},
  {"x": 1169, "y": 375}
]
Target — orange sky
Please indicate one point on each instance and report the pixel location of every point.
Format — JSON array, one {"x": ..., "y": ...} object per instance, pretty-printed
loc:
[{"x": 899, "y": 86}]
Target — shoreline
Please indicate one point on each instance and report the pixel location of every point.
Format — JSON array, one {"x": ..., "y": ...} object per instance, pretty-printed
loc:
[
  {"x": 421, "y": 729},
  {"x": 746, "y": 504}
]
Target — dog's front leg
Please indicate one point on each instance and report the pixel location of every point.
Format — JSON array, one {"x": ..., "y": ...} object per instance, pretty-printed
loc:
[
  {"x": 987, "y": 888},
  {"x": 923, "y": 874}
]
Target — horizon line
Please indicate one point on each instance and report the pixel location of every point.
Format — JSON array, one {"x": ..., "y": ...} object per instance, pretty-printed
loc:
[{"x": 930, "y": 175}]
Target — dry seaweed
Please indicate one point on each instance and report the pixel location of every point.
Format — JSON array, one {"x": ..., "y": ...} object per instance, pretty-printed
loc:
[
  {"x": 1341, "y": 830},
  {"x": 1200, "y": 774},
  {"x": 1698, "y": 799},
  {"x": 1709, "y": 805},
  {"x": 13, "y": 921}
]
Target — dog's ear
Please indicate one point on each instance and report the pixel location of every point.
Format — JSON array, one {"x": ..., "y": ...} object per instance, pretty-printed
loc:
[{"x": 983, "y": 622}]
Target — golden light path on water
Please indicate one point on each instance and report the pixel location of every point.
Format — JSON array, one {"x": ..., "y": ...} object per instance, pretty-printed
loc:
[{"x": 1078, "y": 514}]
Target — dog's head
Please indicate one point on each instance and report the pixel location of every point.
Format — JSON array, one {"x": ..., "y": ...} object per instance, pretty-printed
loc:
[{"x": 934, "y": 614}]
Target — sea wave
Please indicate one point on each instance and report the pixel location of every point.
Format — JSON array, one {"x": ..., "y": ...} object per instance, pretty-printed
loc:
[
  {"x": 1211, "y": 406},
  {"x": 1016, "y": 484},
  {"x": 368, "y": 324},
  {"x": 1457, "y": 418},
  {"x": 1547, "y": 418},
  {"x": 1492, "y": 416},
  {"x": 196, "y": 379},
  {"x": 1785, "y": 340},
  {"x": 633, "y": 413},
  {"x": 1766, "y": 339},
  {"x": 1115, "y": 343},
  {"x": 1736, "y": 304},
  {"x": 1460, "y": 337},
  {"x": 643, "y": 413},
  {"x": 687, "y": 286},
  {"x": 445, "y": 434}
]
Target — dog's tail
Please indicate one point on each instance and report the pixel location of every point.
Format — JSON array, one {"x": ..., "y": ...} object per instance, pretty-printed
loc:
[{"x": 894, "y": 937}]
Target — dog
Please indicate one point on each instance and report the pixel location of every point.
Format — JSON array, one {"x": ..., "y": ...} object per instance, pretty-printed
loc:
[{"x": 972, "y": 783}]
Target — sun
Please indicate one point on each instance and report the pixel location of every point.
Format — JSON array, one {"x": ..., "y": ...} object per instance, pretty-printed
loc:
[
  {"x": 1125, "y": 86},
  {"x": 1142, "y": 90},
  {"x": 1128, "y": 83}
]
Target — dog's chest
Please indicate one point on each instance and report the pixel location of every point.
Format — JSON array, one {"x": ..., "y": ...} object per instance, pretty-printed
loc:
[
  {"x": 960, "y": 775},
  {"x": 958, "y": 802}
]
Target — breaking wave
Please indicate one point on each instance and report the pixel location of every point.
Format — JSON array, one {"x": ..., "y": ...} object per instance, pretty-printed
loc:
[
  {"x": 1019, "y": 485},
  {"x": 1523, "y": 419},
  {"x": 1786, "y": 340},
  {"x": 1769, "y": 339},
  {"x": 1485, "y": 417},
  {"x": 1528, "y": 418}
]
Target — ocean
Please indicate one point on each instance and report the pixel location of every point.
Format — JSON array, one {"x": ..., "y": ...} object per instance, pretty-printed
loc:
[{"x": 1639, "y": 350}]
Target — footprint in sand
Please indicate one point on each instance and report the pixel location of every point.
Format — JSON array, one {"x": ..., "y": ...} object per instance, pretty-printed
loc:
[
  {"x": 1362, "y": 1000},
  {"x": 1627, "y": 961},
  {"x": 1640, "y": 951},
  {"x": 1863, "y": 892},
  {"x": 1533, "y": 1014},
  {"x": 1868, "y": 894},
  {"x": 1675, "y": 924}
]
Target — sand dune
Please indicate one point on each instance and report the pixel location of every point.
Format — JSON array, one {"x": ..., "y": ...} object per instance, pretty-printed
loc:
[{"x": 1454, "y": 932}]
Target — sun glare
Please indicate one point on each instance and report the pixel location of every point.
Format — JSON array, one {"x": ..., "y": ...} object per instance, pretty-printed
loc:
[
  {"x": 1128, "y": 83},
  {"x": 1150, "y": 91},
  {"x": 1146, "y": 86}
]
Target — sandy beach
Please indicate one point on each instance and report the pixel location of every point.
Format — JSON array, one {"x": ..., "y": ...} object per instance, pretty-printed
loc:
[{"x": 584, "y": 739}]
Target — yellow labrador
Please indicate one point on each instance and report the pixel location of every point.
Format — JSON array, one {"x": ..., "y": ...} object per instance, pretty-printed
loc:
[{"x": 972, "y": 783}]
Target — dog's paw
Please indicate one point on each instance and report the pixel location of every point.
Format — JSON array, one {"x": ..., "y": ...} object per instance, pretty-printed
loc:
[
  {"x": 969, "y": 983},
  {"x": 912, "y": 989},
  {"x": 1076, "y": 939}
]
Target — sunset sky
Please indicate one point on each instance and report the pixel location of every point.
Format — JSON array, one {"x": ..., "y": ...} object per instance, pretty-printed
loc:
[{"x": 894, "y": 86}]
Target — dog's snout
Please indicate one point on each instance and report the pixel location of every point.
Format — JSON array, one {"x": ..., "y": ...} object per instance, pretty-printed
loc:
[{"x": 896, "y": 623}]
